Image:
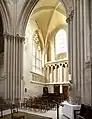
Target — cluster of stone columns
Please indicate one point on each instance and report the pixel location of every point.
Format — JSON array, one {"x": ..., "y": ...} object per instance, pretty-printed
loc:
[
  {"x": 57, "y": 73},
  {"x": 77, "y": 43},
  {"x": 13, "y": 65}
]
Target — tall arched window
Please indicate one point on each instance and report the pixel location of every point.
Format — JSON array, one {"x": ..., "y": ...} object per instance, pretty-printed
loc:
[
  {"x": 61, "y": 42},
  {"x": 36, "y": 55}
]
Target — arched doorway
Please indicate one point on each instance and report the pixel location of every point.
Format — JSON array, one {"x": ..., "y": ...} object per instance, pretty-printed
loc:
[{"x": 24, "y": 19}]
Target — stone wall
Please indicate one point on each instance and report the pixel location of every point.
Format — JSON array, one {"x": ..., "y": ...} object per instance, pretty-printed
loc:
[{"x": 34, "y": 90}]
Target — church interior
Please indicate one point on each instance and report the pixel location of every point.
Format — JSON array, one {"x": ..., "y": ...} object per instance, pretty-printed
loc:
[{"x": 45, "y": 59}]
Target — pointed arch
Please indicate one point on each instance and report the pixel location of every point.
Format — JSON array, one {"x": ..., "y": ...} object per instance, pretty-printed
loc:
[
  {"x": 24, "y": 16},
  {"x": 4, "y": 12}
]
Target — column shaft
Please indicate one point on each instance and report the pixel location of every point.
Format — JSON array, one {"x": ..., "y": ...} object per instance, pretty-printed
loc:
[
  {"x": 16, "y": 66},
  {"x": 5, "y": 63},
  {"x": 20, "y": 57},
  {"x": 78, "y": 48},
  {"x": 71, "y": 42},
  {"x": 82, "y": 48},
  {"x": 58, "y": 73},
  {"x": 13, "y": 66},
  {"x": 75, "y": 81},
  {"x": 61, "y": 76},
  {"x": 14, "y": 84},
  {"x": 48, "y": 76},
  {"x": 65, "y": 74},
  {"x": 69, "y": 45},
  {"x": 8, "y": 68},
  {"x": 55, "y": 74},
  {"x": 51, "y": 74},
  {"x": 61, "y": 88}
]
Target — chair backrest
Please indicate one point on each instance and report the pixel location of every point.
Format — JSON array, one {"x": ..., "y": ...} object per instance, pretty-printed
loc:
[{"x": 14, "y": 109}]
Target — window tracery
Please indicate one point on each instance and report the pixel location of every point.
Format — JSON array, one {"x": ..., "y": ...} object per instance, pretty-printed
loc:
[{"x": 36, "y": 54}]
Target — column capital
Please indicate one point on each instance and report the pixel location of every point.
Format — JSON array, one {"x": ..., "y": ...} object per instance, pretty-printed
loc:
[
  {"x": 8, "y": 35},
  {"x": 68, "y": 20},
  {"x": 71, "y": 15},
  {"x": 12, "y": 36},
  {"x": 20, "y": 37},
  {"x": 51, "y": 66}
]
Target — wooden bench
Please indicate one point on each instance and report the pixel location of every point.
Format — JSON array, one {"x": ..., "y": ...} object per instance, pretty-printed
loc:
[{"x": 84, "y": 113}]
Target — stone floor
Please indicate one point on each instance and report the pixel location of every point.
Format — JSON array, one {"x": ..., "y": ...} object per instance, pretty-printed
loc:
[
  {"x": 51, "y": 113},
  {"x": 29, "y": 116}
]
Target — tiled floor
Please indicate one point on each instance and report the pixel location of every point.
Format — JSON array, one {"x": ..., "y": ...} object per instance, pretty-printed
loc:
[{"x": 50, "y": 113}]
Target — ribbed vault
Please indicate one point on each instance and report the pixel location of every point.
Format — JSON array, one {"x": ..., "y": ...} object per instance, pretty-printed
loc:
[{"x": 49, "y": 15}]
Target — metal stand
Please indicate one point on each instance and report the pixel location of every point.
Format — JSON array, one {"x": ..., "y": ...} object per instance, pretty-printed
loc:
[
  {"x": 57, "y": 103},
  {"x": 57, "y": 111}
]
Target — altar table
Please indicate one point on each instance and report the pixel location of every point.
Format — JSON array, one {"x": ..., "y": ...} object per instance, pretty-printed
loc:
[{"x": 68, "y": 109}]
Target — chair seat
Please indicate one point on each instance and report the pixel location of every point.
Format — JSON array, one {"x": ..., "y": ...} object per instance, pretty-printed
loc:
[{"x": 18, "y": 115}]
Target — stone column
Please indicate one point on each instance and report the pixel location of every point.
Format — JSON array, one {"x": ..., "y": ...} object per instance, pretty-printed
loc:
[
  {"x": 13, "y": 66},
  {"x": 61, "y": 90},
  {"x": 45, "y": 74},
  {"x": 61, "y": 76},
  {"x": 51, "y": 80},
  {"x": 66, "y": 67},
  {"x": 55, "y": 74},
  {"x": 69, "y": 45},
  {"x": 88, "y": 64},
  {"x": 71, "y": 42},
  {"x": 75, "y": 81},
  {"x": 19, "y": 63},
  {"x": 82, "y": 48},
  {"x": 64, "y": 72},
  {"x": 58, "y": 74},
  {"x": 5, "y": 63},
  {"x": 21, "y": 47},
  {"x": 48, "y": 75},
  {"x": 78, "y": 49}
]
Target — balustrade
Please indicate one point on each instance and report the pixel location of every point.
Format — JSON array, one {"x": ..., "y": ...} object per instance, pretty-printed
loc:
[{"x": 57, "y": 72}]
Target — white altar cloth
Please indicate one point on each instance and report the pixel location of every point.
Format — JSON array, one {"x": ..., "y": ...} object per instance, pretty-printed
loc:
[{"x": 68, "y": 109}]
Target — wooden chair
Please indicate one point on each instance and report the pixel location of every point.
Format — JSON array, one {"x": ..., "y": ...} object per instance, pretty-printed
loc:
[
  {"x": 2, "y": 108},
  {"x": 15, "y": 114}
]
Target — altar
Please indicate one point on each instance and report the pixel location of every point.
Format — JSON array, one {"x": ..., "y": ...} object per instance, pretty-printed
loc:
[{"x": 68, "y": 109}]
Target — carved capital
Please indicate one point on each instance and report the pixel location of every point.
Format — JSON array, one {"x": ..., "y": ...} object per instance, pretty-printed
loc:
[
  {"x": 71, "y": 15},
  {"x": 8, "y": 36},
  {"x": 18, "y": 37},
  {"x": 68, "y": 20}
]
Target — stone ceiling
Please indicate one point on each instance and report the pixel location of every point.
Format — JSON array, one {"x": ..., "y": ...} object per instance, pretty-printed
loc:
[{"x": 49, "y": 15}]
